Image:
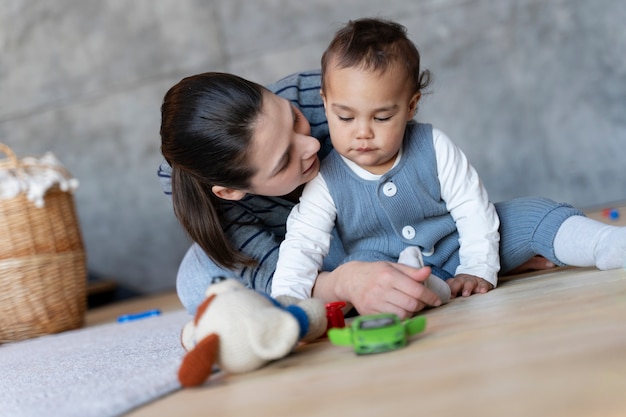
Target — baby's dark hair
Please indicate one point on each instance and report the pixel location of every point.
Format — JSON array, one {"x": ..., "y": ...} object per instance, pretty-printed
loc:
[
  {"x": 207, "y": 123},
  {"x": 375, "y": 44}
]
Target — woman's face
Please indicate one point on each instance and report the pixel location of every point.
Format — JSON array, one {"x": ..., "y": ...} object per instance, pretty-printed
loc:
[{"x": 283, "y": 152}]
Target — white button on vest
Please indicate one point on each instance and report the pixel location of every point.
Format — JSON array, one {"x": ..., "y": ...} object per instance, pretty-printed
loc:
[
  {"x": 390, "y": 189},
  {"x": 428, "y": 252},
  {"x": 408, "y": 232}
]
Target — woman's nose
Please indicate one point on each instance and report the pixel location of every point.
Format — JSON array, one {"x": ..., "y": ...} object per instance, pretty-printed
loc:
[{"x": 310, "y": 147}]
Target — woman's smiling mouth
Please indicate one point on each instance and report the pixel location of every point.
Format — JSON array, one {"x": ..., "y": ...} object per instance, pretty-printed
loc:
[{"x": 311, "y": 167}]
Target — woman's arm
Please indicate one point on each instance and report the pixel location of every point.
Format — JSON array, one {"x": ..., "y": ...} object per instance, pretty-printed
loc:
[{"x": 255, "y": 225}]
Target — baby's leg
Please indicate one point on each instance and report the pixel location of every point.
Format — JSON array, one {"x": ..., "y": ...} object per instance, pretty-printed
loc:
[
  {"x": 581, "y": 241},
  {"x": 412, "y": 256},
  {"x": 528, "y": 227},
  {"x": 559, "y": 232}
]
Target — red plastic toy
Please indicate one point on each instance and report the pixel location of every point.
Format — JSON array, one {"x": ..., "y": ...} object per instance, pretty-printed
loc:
[{"x": 334, "y": 315}]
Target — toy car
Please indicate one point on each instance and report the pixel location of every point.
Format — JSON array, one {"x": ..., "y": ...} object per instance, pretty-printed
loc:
[{"x": 377, "y": 333}]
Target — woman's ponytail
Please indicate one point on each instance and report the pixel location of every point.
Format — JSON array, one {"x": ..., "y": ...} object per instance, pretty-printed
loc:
[{"x": 197, "y": 209}]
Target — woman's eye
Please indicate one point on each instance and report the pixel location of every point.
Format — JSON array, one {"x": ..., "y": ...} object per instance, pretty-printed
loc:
[{"x": 285, "y": 164}]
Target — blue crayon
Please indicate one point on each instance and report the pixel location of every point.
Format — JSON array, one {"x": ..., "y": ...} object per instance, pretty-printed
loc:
[{"x": 138, "y": 316}]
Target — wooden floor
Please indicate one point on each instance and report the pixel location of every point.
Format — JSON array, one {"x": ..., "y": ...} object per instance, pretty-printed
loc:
[{"x": 550, "y": 344}]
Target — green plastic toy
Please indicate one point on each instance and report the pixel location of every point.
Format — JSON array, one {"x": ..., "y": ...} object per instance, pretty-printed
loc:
[{"x": 377, "y": 333}]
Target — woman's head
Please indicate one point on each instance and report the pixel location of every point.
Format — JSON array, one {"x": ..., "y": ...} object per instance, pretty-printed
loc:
[
  {"x": 207, "y": 124},
  {"x": 236, "y": 137},
  {"x": 225, "y": 136},
  {"x": 207, "y": 127}
]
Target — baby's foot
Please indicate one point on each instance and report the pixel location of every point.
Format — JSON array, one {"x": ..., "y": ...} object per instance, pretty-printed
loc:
[{"x": 610, "y": 252}]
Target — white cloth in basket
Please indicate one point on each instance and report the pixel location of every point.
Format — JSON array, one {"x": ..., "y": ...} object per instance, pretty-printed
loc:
[{"x": 34, "y": 177}]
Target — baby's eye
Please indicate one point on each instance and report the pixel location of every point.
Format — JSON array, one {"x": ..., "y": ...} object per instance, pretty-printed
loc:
[
  {"x": 345, "y": 119},
  {"x": 382, "y": 119}
]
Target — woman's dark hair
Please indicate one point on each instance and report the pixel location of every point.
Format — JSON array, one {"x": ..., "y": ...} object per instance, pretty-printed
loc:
[
  {"x": 207, "y": 123},
  {"x": 375, "y": 44}
]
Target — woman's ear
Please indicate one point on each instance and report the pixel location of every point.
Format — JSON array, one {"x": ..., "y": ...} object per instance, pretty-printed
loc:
[{"x": 226, "y": 193}]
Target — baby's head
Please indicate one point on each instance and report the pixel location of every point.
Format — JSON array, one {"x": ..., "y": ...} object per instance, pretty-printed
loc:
[
  {"x": 371, "y": 84},
  {"x": 375, "y": 45}
]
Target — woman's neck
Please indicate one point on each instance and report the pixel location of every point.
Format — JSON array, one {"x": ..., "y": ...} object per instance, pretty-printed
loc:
[{"x": 294, "y": 196}]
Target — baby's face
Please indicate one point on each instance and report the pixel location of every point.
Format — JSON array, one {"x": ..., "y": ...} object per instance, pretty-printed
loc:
[{"x": 367, "y": 114}]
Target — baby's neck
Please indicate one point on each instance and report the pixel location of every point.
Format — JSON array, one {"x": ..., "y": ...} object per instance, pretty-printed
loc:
[
  {"x": 378, "y": 170},
  {"x": 382, "y": 168}
]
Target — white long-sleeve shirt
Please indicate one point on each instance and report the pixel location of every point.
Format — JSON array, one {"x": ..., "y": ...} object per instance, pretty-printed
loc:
[{"x": 311, "y": 222}]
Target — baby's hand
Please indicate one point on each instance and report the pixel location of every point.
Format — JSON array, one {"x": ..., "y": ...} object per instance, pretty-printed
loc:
[{"x": 466, "y": 285}]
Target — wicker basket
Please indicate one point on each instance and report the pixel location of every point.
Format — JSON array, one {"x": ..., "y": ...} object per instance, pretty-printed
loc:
[{"x": 43, "y": 273}]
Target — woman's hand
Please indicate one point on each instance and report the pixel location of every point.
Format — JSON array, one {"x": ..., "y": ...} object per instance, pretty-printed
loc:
[
  {"x": 377, "y": 287},
  {"x": 466, "y": 285}
]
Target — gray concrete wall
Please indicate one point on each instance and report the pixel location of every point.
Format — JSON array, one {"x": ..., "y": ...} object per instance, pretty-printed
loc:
[{"x": 534, "y": 91}]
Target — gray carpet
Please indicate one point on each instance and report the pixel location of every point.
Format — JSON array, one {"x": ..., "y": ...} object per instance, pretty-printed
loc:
[{"x": 99, "y": 371}]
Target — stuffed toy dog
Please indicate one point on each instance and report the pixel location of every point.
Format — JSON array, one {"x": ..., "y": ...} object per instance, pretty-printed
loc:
[{"x": 240, "y": 330}]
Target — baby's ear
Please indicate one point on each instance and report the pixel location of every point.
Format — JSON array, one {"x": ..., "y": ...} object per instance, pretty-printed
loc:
[
  {"x": 187, "y": 336},
  {"x": 226, "y": 193},
  {"x": 413, "y": 104}
]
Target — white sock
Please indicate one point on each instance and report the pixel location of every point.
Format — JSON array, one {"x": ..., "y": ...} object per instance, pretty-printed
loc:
[
  {"x": 412, "y": 256},
  {"x": 581, "y": 241}
]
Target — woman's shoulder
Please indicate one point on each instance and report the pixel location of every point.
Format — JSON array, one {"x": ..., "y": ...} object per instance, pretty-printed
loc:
[
  {"x": 298, "y": 85},
  {"x": 260, "y": 208}
]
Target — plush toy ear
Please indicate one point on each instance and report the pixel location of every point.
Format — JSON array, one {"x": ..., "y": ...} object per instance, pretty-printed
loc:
[
  {"x": 272, "y": 334},
  {"x": 187, "y": 336},
  {"x": 197, "y": 363}
]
